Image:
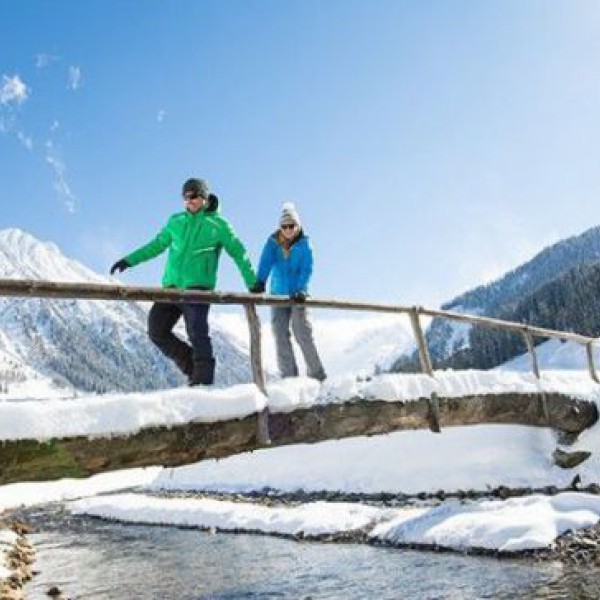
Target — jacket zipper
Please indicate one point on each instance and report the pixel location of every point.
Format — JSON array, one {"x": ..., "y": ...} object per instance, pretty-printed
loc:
[{"x": 186, "y": 240}]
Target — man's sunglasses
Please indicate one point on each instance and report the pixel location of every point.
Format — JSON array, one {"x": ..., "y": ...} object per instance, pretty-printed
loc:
[
  {"x": 191, "y": 196},
  {"x": 288, "y": 226}
]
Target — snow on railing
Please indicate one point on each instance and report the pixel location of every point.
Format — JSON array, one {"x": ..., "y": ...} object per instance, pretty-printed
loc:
[{"x": 98, "y": 291}]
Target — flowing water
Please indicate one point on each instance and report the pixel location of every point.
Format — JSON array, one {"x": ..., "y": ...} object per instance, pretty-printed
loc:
[{"x": 93, "y": 559}]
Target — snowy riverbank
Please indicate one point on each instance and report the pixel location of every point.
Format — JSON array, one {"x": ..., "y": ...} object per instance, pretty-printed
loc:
[
  {"x": 459, "y": 460},
  {"x": 495, "y": 526},
  {"x": 16, "y": 559}
]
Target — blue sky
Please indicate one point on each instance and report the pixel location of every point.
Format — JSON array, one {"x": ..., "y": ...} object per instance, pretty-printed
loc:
[{"x": 429, "y": 145}]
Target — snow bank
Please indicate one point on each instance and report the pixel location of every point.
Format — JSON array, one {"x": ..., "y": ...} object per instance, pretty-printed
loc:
[
  {"x": 554, "y": 355},
  {"x": 315, "y": 518},
  {"x": 509, "y": 526},
  {"x": 17, "y": 495},
  {"x": 460, "y": 458}
]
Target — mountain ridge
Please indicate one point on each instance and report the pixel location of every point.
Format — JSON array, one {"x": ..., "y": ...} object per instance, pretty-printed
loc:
[
  {"x": 88, "y": 345},
  {"x": 458, "y": 345}
]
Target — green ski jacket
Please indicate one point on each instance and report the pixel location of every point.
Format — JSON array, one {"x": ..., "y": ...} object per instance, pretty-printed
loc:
[{"x": 195, "y": 241}]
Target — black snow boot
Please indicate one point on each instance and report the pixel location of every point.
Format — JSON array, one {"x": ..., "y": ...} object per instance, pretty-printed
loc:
[
  {"x": 183, "y": 359},
  {"x": 203, "y": 372}
]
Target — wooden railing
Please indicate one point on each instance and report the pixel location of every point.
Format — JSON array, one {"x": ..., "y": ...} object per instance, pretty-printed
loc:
[{"x": 97, "y": 291}]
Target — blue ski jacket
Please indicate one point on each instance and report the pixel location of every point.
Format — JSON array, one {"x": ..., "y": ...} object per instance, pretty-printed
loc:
[{"x": 290, "y": 269}]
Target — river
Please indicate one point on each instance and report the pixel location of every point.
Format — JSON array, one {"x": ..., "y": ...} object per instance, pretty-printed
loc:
[{"x": 92, "y": 559}]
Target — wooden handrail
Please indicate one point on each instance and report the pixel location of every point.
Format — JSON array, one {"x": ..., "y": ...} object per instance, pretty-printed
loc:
[
  {"x": 103, "y": 291},
  {"x": 509, "y": 326}
]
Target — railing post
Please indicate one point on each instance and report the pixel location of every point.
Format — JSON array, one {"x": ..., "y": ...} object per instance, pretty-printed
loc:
[
  {"x": 536, "y": 370},
  {"x": 589, "y": 347},
  {"x": 258, "y": 375},
  {"x": 426, "y": 367},
  {"x": 424, "y": 356},
  {"x": 531, "y": 349}
]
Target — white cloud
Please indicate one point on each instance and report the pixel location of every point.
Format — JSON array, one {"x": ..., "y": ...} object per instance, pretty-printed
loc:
[
  {"x": 74, "y": 78},
  {"x": 25, "y": 140},
  {"x": 160, "y": 117},
  {"x": 61, "y": 184},
  {"x": 7, "y": 122},
  {"x": 13, "y": 90},
  {"x": 43, "y": 59}
]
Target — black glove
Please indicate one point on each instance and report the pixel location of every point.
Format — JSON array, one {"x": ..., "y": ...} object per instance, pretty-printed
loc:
[
  {"x": 258, "y": 288},
  {"x": 299, "y": 296},
  {"x": 120, "y": 266}
]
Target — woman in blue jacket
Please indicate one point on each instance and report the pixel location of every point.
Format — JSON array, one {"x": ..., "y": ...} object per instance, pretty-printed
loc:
[{"x": 287, "y": 258}]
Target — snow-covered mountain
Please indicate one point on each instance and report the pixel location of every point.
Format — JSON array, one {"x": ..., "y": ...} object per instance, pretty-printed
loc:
[
  {"x": 554, "y": 355},
  {"x": 519, "y": 295},
  {"x": 85, "y": 344},
  {"x": 545, "y": 266},
  {"x": 359, "y": 344}
]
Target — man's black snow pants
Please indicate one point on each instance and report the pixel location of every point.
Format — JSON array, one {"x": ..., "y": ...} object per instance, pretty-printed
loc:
[{"x": 195, "y": 361}]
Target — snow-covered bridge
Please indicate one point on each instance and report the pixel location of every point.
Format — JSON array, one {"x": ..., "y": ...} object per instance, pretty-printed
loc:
[{"x": 57, "y": 438}]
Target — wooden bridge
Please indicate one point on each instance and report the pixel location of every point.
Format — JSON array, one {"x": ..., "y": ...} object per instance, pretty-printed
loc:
[{"x": 29, "y": 459}]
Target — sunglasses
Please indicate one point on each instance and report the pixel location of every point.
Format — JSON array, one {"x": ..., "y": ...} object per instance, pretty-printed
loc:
[
  {"x": 288, "y": 226},
  {"x": 191, "y": 196}
]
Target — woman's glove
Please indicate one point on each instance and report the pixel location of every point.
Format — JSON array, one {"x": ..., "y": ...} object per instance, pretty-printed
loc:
[{"x": 299, "y": 296}]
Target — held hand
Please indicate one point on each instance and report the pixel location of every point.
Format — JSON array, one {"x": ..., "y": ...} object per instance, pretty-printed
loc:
[
  {"x": 299, "y": 296},
  {"x": 258, "y": 288},
  {"x": 120, "y": 266}
]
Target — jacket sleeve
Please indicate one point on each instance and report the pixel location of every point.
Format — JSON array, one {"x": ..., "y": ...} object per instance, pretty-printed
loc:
[
  {"x": 267, "y": 259},
  {"x": 152, "y": 249},
  {"x": 306, "y": 268},
  {"x": 234, "y": 247}
]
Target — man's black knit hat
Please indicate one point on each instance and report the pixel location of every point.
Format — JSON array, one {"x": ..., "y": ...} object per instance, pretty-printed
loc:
[{"x": 196, "y": 186}]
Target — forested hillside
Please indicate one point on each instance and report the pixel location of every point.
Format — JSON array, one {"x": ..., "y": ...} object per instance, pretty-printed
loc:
[{"x": 557, "y": 289}]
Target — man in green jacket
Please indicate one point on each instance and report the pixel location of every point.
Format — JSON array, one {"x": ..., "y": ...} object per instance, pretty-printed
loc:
[{"x": 194, "y": 239}]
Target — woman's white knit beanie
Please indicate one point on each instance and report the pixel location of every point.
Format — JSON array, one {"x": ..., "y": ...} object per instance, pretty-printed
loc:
[{"x": 289, "y": 214}]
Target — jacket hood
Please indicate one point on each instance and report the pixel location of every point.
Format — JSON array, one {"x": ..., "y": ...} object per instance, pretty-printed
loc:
[{"x": 213, "y": 204}]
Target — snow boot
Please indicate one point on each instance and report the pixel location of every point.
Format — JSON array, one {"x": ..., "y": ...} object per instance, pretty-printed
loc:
[
  {"x": 184, "y": 361},
  {"x": 203, "y": 372}
]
